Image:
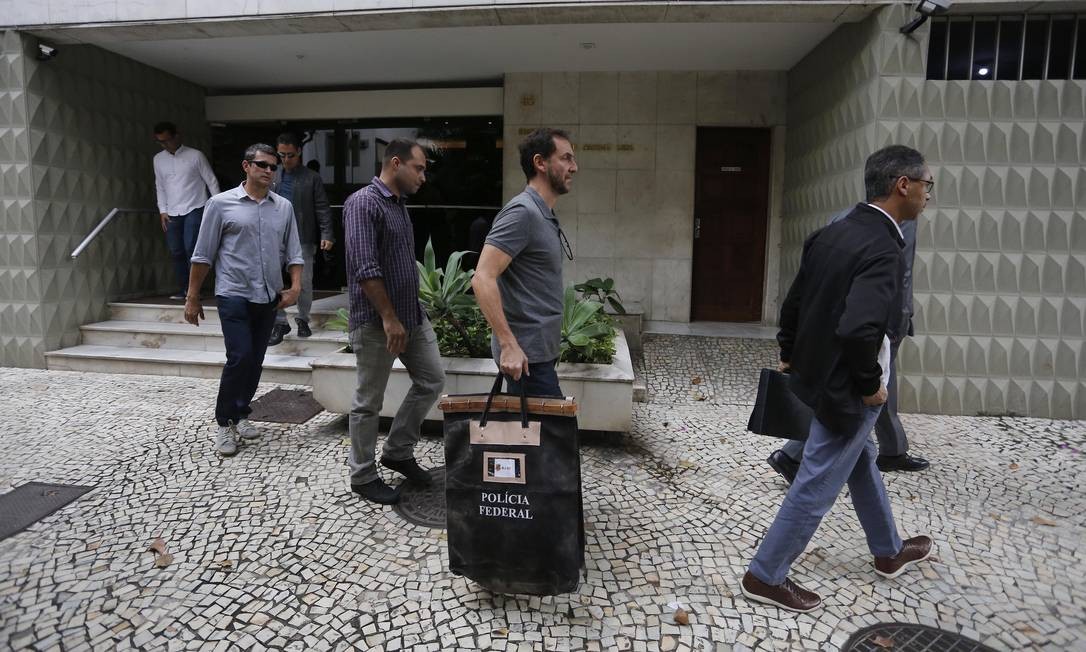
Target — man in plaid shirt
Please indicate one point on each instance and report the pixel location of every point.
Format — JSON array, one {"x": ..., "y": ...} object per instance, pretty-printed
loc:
[{"x": 387, "y": 322}]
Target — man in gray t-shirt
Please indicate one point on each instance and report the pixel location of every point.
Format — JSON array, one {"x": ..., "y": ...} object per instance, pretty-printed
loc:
[{"x": 518, "y": 281}]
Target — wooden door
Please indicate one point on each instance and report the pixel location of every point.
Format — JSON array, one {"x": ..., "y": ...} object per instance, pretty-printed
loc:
[{"x": 731, "y": 213}]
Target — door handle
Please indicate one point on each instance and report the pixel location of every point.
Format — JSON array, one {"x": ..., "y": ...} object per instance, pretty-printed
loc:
[{"x": 697, "y": 227}]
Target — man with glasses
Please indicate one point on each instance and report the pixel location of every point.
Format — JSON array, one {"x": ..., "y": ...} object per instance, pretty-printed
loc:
[
  {"x": 518, "y": 281},
  {"x": 834, "y": 326},
  {"x": 183, "y": 179},
  {"x": 248, "y": 234},
  {"x": 388, "y": 322},
  {"x": 304, "y": 189},
  {"x": 893, "y": 442}
]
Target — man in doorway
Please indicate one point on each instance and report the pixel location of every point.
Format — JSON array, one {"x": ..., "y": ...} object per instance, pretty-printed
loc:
[
  {"x": 388, "y": 322},
  {"x": 248, "y": 235},
  {"x": 518, "y": 281},
  {"x": 304, "y": 189},
  {"x": 183, "y": 179},
  {"x": 893, "y": 442},
  {"x": 835, "y": 321}
]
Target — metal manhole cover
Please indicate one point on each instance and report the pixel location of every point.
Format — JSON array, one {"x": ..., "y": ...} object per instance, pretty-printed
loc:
[
  {"x": 285, "y": 406},
  {"x": 424, "y": 505},
  {"x": 904, "y": 637}
]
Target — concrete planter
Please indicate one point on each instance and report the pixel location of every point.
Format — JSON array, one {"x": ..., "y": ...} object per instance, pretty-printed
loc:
[{"x": 604, "y": 392}]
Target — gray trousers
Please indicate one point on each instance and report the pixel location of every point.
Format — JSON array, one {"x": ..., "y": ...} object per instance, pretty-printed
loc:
[
  {"x": 888, "y": 428},
  {"x": 305, "y": 298},
  {"x": 423, "y": 364}
]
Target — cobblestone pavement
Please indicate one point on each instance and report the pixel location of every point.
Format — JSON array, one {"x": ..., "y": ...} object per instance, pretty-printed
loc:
[{"x": 272, "y": 550}]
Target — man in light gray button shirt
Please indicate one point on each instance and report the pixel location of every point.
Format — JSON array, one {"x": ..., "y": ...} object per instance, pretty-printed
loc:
[
  {"x": 248, "y": 234},
  {"x": 518, "y": 281}
]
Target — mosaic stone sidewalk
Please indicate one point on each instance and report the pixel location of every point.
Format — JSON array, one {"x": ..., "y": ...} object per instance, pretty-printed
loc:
[{"x": 271, "y": 550}]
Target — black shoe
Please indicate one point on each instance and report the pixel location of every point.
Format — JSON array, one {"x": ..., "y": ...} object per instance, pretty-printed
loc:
[
  {"x": 408, "y": 468},
  {"x": 303, "y": 328},
  {"x": 278, "y": 331},
  {"x": 786, "y": 466},
  {"x": 376, "y": 491},
  {"x": 888, "y": 463}
]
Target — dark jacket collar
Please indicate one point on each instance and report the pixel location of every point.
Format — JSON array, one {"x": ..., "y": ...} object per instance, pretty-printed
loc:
[{"x": 875, "y": 215}]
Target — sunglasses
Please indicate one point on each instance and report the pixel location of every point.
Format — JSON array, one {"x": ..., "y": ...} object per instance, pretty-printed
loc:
[
  {"x": 287, "y": 154},
  {"x": 264, "y": 165}
]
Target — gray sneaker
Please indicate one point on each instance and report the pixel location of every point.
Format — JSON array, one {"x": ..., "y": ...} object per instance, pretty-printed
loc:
[
  {"x": 247, "y": 430},
  {"x": 224, "y": 441}
]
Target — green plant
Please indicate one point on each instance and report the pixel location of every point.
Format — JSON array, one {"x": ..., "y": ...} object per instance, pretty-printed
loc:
[
  {"x": 587, "y": 333},
  {"x": 458, "y": 323},
  {"x": 602, "y": 291},
  {"x": 340, "y": 322}
]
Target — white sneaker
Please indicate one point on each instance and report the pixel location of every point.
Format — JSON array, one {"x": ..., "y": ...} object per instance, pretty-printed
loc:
[
  {"x": 247, "y": 430},
  {"x": 224, "y": 441}
]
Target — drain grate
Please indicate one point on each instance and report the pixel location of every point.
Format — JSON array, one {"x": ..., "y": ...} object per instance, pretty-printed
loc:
[
  {"x": 424, "y": 505},
  {"x": 904, "y": 637},
  {"x": 33, "y": 501},
  {"x": 285, "y": 406}
]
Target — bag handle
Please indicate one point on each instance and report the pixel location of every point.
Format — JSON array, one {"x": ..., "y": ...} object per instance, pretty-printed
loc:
[{"x": 496, "y": 389}]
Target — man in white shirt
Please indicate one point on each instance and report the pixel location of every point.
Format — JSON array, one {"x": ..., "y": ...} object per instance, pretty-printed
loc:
[{"x": 183, "y": 180}]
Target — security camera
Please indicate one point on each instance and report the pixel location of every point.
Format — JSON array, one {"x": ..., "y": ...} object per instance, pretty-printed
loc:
[
  {"x": 46, "y": 52},
  {"x": 926, "y": 9}
]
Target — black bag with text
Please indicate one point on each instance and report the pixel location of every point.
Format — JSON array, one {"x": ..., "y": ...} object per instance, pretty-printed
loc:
[{"x": 513, "y": 491}]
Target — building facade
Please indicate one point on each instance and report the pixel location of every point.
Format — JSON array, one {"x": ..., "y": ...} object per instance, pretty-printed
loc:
[{"x": 712, "y": 138}]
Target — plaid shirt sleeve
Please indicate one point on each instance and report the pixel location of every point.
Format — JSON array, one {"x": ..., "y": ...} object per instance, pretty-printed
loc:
[{"x": 360, "y": 215}]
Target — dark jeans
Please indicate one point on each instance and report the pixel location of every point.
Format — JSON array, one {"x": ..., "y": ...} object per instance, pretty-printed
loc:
[
  {"x": 245, "y": 328},
  {"x": 181, "y": 235},
  {"x": 542, "y": 380}
]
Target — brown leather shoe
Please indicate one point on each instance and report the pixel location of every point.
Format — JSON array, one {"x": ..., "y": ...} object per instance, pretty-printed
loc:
[
  {"x": 913, "y": 550},
  {"x": 788, "y": 595}
]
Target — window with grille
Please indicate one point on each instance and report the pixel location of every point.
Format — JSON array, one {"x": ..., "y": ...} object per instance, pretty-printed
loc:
[{"x": 1007, "y": 47}]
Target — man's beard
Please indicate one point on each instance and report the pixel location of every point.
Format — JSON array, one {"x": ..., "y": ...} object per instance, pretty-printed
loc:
[{"x": 558, "y": 183}]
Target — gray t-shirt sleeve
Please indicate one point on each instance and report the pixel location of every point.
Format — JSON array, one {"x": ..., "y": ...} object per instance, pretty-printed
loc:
[{"x": 512, "y": 230}]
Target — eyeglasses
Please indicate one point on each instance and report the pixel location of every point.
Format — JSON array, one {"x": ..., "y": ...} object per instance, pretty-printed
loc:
[
  {"x": 287, "y": 154},
  {"x": 927, "y": 182},
  {"x": 568, "y": 250},
  {"x": 163, "y": 141},
  {"x": 264, "y": 165}
]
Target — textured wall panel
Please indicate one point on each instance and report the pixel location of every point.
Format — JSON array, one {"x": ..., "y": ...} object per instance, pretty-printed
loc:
[
  {"x": 1000, "y": 277},
  {"x": 75, "y": 141}
]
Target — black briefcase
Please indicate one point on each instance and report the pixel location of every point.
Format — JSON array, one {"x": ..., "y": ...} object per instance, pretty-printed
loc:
[
  {"x": 513, "y": 491},
  {"x": 777, "y": 411}
]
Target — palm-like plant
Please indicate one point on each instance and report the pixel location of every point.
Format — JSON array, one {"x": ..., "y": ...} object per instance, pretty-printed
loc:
[
  {"x": 444, "y": 292},
  {"x": 586, "y": 330}
]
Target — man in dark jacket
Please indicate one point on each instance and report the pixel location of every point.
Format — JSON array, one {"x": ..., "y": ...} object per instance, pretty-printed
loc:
[
  {"x": 304, "y": 189},
  {"x": 834, "y": 323},
  {"x": 892, "y": 440}
]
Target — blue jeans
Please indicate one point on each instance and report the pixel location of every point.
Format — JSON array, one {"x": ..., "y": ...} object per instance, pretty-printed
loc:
[
  {"x": 829, "y": 461},
  {"x": 888, "y": 428},
  {"x": 246, "y": 327},
  {"x": 181, "y": 233},
  {"x": 542, "y": 380}
]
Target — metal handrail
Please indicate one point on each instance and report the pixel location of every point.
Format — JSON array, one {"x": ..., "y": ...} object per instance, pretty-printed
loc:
[{"x": 101, "y": 225}]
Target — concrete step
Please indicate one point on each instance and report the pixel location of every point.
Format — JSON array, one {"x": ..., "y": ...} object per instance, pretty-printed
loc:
[
  {"x": 206, "y": 337},
  {"x": 174, "y": 311},
  {"x": 292, "y": 369}
]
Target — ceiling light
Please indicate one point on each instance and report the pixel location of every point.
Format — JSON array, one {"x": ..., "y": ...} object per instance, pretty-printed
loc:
[
  {"x": 588, "y": 45},
  {"x": 983, "y": 72}
]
